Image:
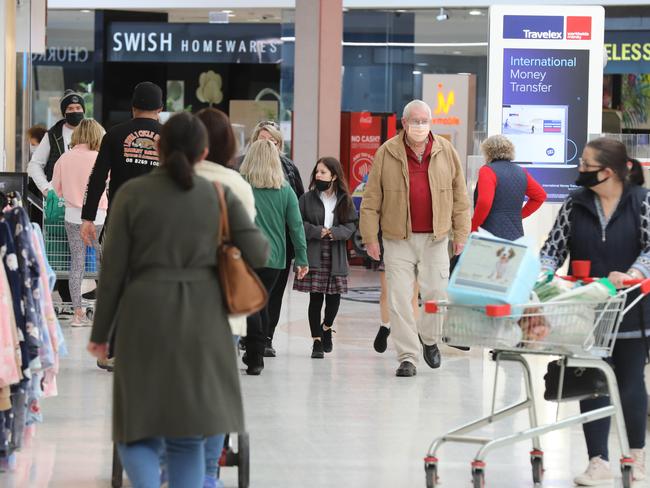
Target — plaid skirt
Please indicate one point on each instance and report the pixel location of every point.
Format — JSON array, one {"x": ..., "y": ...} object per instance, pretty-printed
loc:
[{"x": 320, "y": 280}]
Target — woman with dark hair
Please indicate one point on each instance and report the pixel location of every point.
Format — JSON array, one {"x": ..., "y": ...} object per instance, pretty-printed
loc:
[
  {"x": 217, "y": 166},
  {"x": 607, "y": 222},
  {"x": 176, "y": 377},
  {"x": 635, "y": 175},
  {"x": 330, "y": 219}
]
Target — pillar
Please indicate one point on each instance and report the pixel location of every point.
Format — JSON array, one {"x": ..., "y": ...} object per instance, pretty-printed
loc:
[
  {"x": 317, "y": 82},
  {"x": 7, "y": 85}
]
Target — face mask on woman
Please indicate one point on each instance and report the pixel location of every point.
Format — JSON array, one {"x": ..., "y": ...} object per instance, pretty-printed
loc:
[
  {"x": 323, "y": 185},
  {"x": 589, "y": 179},
  {"x": 32, "y": 149}
]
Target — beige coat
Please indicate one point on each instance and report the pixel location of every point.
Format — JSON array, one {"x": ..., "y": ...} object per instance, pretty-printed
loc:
[
  {"x": 242, "y": 190},
  {"x": 385, "y": 202}
]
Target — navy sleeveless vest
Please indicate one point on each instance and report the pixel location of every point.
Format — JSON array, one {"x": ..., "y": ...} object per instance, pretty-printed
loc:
[{"x": 504, "y": 219}]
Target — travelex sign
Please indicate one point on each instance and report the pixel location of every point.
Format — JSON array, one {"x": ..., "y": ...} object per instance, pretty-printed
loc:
[
  {"x": 547, "y": 27},
  {"x": 193, "y": 43}
]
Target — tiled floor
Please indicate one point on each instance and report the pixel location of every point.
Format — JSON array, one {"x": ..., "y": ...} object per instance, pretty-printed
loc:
[{"x": 345, "y": 421}]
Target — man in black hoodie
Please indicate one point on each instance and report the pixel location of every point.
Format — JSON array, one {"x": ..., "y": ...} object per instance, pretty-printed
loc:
[{"x": 128, "y": 150}]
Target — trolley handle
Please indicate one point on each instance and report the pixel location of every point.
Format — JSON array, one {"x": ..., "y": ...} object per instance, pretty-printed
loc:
[{"x": 642, "y": 284}]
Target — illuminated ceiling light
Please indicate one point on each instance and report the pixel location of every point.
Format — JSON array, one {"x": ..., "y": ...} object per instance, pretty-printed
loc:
[
  {"x": 417, "y": 72},
  {"x": 85, "y": 11},
  {"x": 457, "y": 52},
  {"x": 475, "y": 12},
  {"x": 401, "y": 11},
  {"x": 442, "y": 15},
  {"x": 227, "y": 11}
]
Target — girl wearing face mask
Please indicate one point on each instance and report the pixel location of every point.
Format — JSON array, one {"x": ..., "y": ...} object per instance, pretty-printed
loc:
[
  {"x": 330, "y": 219},
  {"x": 607, "y": 221}
]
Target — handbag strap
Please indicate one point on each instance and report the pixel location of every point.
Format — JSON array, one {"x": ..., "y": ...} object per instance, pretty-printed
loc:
[{"x": 224, "y": 225}]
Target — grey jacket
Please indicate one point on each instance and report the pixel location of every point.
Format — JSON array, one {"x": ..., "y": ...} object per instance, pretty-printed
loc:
[{"x": 313, "y": 216}]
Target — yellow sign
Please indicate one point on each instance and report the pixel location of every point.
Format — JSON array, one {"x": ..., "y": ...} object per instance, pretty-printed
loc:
[
  {"x": 445, "y": 103},
  {"x": 628, "y": 51}
]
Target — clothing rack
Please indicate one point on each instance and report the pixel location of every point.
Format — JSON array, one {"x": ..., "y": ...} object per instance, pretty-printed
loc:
[{"x": 31, "y": 340}]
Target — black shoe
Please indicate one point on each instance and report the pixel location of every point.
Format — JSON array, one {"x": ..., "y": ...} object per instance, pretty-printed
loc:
[
  {"x": 317, "y": 351},
  {"x": 460, "y": 348},
  {"x": 254, "y": 370},
  {"x": 269, "y": 352},
  {"x": 255, "y": 363},
  {"x": 381, "y": 341},
  {"x": 327, "y": 340},
  {"x": 91, "y": 295},
  {"x": 431, "y": 355},
  {"x": 406, "y": 369},
  {"x": 242, "y": 344}
]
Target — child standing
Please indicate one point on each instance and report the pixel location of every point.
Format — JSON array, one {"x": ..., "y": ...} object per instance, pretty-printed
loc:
[{"x": 330, "y": 219}]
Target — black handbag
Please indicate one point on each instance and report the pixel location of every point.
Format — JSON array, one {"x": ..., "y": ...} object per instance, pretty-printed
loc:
[{"x": 579, "y": 383}]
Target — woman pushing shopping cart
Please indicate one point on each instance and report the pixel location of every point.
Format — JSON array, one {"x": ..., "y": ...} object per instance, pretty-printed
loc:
[{"x": 606, "y": 222}]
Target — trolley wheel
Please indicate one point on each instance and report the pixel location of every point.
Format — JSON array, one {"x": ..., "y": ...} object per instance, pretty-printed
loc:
[
  {"x": 243, "y": 460},
  {"x": 478, "y": 478},
  {"x": 627, "y": 472},
  {"x": 537, "y": 463},
  {"x": 431, "y": 472}
]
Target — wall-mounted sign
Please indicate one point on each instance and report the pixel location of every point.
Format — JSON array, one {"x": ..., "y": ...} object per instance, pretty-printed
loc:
[
  {"x": 452, "y": 99},
  {"x": 63, "y": 54},
  {"x": 545, "y": 87},
  {"x": 193, "y": 43},
  {"x": 627, "y": 51}
]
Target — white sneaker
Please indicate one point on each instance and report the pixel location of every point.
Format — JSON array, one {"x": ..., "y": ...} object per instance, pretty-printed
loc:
[
  {"x": 639, "y": 464},
  {"x": 80, "y": 321},
  {"x": 598, "y": 473}
]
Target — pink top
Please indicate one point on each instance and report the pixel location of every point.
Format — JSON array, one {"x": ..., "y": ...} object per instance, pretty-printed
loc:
[{"x": 71, "y": 174}]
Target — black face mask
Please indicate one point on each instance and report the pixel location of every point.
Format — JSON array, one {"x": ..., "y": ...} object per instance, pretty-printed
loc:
[
  {"x": 74, "y": 118},
  {"x": 323, "y": 185},
  {"x": 589, "y": 179}
]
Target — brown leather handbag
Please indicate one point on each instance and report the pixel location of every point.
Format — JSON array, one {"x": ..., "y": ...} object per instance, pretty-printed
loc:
[{"x": 243, "y": 292}]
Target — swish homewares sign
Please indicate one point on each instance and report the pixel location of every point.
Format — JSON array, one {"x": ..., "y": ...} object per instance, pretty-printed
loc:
[
  {"x": 545, "y": 87},
  {"x": 194, "y": 43}
]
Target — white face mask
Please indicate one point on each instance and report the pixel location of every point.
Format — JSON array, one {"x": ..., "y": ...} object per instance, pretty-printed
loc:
[
  {"x": 32, "y": 149},
  {"x": 418, "y": 133}
]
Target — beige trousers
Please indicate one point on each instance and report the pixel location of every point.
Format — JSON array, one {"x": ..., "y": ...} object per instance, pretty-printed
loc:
[{"x": 427, "y": 261}]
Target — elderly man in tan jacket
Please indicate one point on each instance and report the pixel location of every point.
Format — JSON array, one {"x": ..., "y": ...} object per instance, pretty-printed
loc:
[{"x": 416, "y": 195}]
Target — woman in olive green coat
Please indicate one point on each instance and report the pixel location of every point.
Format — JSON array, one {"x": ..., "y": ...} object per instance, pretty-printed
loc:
[{"x": 176, "y": 376}]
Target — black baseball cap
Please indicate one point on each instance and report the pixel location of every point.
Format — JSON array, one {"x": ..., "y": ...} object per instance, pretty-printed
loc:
[{"x": 147, "y": 96}]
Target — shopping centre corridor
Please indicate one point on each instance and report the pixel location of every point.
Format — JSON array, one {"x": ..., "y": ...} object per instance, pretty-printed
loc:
[{"x": 344, "y": 422}]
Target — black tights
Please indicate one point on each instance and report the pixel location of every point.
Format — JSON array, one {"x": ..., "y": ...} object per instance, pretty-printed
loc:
[
  {"x": 628, "y": 359},
  {"x": 332, "y": 303}
]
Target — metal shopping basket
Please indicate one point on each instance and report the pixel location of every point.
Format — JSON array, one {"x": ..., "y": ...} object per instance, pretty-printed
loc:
[
  {"x": 581, "y": 333},
  {"x": 58, "y": 255}
]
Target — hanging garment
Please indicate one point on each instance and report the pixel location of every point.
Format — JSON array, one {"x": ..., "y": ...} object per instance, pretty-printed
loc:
[
  {"x": 28, "y": 346},
  {"x": 10, "y": 358},
  {"x": 28, "y": 264}
]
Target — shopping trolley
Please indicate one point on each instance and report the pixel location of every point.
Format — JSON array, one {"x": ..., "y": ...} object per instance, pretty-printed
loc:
[
  {"x": 58, "y": 255},
  {"x": 581, "y": 333}
]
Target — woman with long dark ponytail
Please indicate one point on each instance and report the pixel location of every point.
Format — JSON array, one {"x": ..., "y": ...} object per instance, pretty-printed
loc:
[{"x": 176, "y": 378}]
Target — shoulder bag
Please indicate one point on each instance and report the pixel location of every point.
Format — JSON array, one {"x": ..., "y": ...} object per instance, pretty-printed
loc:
[{"x": 243, "y": 292}]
